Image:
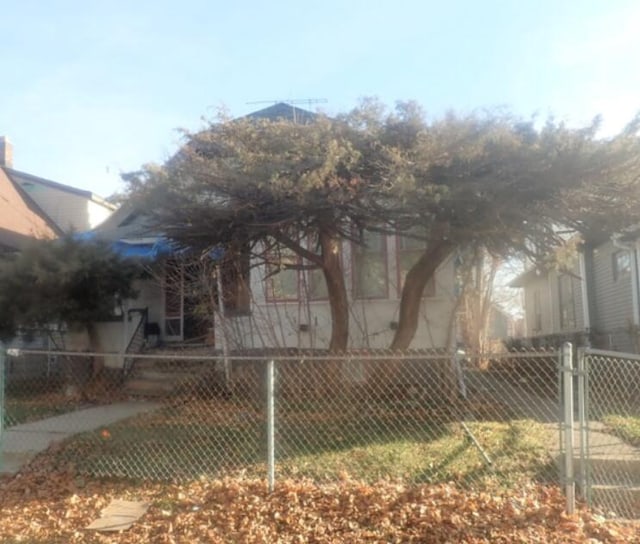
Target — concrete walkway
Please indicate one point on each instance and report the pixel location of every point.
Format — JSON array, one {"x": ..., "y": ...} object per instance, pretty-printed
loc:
[{"x": 21, "y": 443}]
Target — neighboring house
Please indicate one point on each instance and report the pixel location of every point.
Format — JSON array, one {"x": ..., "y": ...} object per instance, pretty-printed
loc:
[
  {"x": 36, "y": 208},
  {"x": 69, "y": 208},
  {"x": 21, "y": 219},
  {"x": 502, "y": 324},
  {"x": 25, "y": 217},
  {"x": 595, "y": 301}
]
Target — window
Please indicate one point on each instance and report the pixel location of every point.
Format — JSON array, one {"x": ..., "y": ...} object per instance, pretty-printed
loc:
[
  {"x": 566, "y": 302},
  {"x": 409, "y": 250},
  {"x": 621, "y": 264},
  {"x": 370, "y": 267},
  {"x": 317, "y": 285},
  {"x": 282, "y": 281},
  {"x": 235, "y": 277}
]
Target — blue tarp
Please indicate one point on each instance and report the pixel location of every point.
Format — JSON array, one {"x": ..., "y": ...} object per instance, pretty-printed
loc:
[
  {"x": 146, "y": 248},
  {"x": 143, "y": 250}
]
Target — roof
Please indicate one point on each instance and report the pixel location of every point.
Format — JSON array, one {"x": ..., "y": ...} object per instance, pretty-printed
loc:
[
  {"x": 129, "y": 234},
  {"x": 282, "y": 110},
  {"x": 126, "y": 222},
  {"x": 24, "y": 178},
  {"x": 20, "y": 217}
]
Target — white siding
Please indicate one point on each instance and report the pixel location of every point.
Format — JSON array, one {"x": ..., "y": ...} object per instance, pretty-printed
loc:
[
  {"x": 97, "y": 213},
  {"x": 613, "y": 301},
  {"x": 70, "y": 211},
  {"x": 546, "y": 288},
  {"x": 372, "y": 322}
]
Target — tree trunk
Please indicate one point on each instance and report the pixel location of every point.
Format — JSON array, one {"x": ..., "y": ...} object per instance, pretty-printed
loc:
[
  {"x": 477, "y": 297},
  {"x": 413, "y": 289},
  {"x": 337, "y": 292},
  {"x": 97, "y": 362}
]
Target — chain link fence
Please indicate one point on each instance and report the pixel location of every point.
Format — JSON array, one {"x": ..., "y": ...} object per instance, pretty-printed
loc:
[
  {"x": 609, "y": 416},
  {"x": 415, "y": 417}
]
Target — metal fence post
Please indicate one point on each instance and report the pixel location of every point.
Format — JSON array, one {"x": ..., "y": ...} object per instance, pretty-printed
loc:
[
  {"x": 3, "y": 358},
  {"x": 271, "y": 455},
  {"x": 585, "y": 485},
  {"x": 567, "y": 393}
]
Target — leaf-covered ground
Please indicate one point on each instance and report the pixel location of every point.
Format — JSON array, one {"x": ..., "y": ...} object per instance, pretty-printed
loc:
[{"x": 41, "y": 505}]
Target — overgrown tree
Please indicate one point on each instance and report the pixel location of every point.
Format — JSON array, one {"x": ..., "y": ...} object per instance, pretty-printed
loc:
[
  {"x": 63, "y": 282},
  {"x": 461, "y": 181},
  {"x": 270, "y": 186},
  {"x": 494, "y": 181}
]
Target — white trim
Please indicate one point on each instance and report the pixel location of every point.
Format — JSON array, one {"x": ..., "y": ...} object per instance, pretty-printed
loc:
[
  {"x": 632, "y": 249},
  {"x": 586, "y": 315},
  {"x": 635, "y": 278},
  {"x": 553, "y": 307}
]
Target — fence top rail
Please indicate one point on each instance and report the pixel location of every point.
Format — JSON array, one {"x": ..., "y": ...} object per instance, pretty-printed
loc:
[
  {"x": 611, "y": 354},
  {"x": 217, "y": 355}
]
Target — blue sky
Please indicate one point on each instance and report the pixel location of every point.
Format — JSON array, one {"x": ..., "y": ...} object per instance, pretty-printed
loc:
[{"x": 91, "y": 88}]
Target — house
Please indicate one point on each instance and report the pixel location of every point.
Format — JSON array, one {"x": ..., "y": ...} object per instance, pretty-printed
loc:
[
  {"x": 291, "y": 308},
  {"x": 21, "y": 218},
  {"x": 33, "y": 208},
  {"x": 253, "y": 307},
  {"x": 595, "y": 300},
  {"x": 69, "y": 208},
  {"x": 260, "y": 309}
]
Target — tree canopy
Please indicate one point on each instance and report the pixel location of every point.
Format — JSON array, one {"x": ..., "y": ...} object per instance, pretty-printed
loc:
[
  {"x": 485, "y": 178},
  {"x": 62, "y": 282}
]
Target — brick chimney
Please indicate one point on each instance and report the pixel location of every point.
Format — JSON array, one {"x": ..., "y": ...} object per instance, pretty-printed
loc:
[{"x": 6, "y": 152}]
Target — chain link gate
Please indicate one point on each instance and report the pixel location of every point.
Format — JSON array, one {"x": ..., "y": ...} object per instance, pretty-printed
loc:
[{"x": 608, "y": 434}]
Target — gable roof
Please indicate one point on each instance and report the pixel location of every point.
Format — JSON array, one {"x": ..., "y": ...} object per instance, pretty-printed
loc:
[
  {"x": 282, "y": 110},
  {"x": 126, "y": 222},
  {"x": 23, "y": 178},
  {"x": 20, "y": 217}
]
